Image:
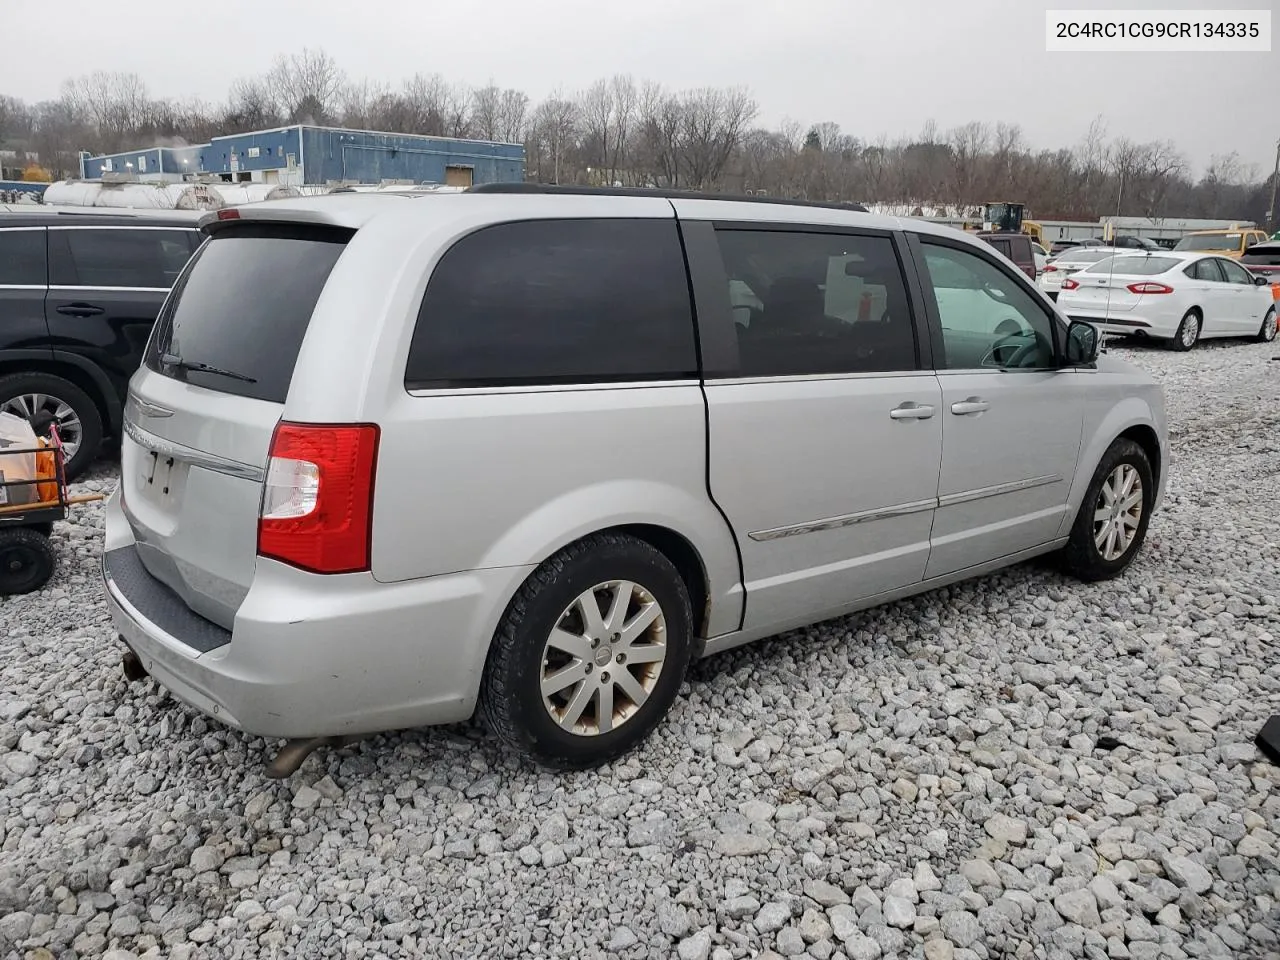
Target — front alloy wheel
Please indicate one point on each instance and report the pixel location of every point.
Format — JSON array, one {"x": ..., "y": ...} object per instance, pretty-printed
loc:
[
  {"x": 603, "y": 658},
  {"x": 1118, "y": 513}
]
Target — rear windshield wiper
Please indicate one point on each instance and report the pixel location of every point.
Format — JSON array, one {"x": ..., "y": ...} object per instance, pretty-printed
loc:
[{"x": 173, "y": 360}]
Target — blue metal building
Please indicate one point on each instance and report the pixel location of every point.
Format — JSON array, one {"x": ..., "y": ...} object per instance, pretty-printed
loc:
[{"x": 302, "y": 154}]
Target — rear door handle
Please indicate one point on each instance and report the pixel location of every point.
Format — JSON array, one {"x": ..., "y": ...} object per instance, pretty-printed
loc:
[
  {"x": 80, "y": 310},
  {"x": 911, "y": 411},
  {"x": 970, "y": 407}
]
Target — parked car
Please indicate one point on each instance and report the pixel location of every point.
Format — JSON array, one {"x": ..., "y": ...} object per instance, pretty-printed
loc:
[
  {"x": 1041, "y": 257},
  {"x": 1175, "y": 296},
  {"x": 536, "y": 449},
  {"x": 1226, "y": 243},
  {"x": 78, "y": 295},
  {"x": 1017, "y": 248},
  {"x": 1069, "y": 262},
  {"x": 1263, "y": 260},
  {"x": 1134, "y": 243}
]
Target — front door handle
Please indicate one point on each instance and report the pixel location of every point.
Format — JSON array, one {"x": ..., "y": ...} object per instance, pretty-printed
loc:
[
  {"x": 911, "y": 411},
  {"x": 970, "y": 407},
  {"x": 80, "y": 310}
]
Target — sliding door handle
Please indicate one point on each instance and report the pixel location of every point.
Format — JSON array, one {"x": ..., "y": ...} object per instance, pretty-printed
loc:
[
  {"x": 911, "y": 411},
  {"x": 970, "y": 407}
]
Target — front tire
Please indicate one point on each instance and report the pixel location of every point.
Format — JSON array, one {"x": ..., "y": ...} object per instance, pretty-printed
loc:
[
  {"x": 42, "y": 399},
  {"x": 590, "y": 653},
  {"x": 1267, "y": 332},
  {"x": 1188, "y": 331},
  {"x": 1112, "y": 523}
]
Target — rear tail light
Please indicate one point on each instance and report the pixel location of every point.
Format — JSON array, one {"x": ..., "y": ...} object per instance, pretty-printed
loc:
[
  {"x": 232, "y": 214},
  {"x": 1050, "y": 268},
  {"x": 1148, "y": 288},
  {"x": 317, "y": 501},
  {"x": 1069, "y": 284}
]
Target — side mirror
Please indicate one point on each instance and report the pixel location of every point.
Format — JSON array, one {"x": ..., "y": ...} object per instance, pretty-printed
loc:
[
  {"x": 1262, "y": 281},
  {"x": 1083, "y": 341}
]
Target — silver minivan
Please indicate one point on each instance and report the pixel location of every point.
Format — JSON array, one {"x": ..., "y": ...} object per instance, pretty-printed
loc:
[{"x": 534, "y": 449}]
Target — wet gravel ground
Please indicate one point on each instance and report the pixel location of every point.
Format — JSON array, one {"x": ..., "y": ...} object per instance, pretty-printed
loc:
[{"x": 1020, "y": 766}]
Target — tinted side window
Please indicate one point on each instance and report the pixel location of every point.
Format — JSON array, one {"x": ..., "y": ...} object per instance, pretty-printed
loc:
[
  {"x": 817, "y": 303},
  {"x": 117, "y": 258},
  {"x": 988, "y": 319},
  {"x": 22, "y": 257},
  {"x": 556, "y": 301}
]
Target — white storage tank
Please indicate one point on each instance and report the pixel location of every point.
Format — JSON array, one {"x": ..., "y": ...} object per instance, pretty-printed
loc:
[{"x": 162, "y": 196}]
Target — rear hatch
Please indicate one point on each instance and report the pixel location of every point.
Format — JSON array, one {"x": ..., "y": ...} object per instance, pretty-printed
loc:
[{"x": 202, "y": 410}]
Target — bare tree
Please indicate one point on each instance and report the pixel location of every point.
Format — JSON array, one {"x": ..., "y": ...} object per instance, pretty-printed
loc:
[
  {"x": 714, "y": 123},
  {"x": 251, "y": 106},
  {"x": 113, "y": 104},
  {"x": 553, "y": 130},
  {"x": 306, "y": 85},
  {"x": 434, "y": 107}
]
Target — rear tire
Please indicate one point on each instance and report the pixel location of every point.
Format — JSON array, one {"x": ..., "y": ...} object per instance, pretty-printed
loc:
[
  {"x": 1188, "y": 331},
  {"x": 547, "y": 637},
  {"x": 1107, "y": 535},
  {"x": 42, "y": 398},
  {"x": 1267, "y": 332}
]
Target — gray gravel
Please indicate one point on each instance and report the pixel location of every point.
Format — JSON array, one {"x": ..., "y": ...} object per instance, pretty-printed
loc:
[{"x": 924, "y": 780}]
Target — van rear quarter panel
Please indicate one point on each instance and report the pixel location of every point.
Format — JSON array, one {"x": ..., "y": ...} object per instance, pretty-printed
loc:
[{"x": 475, "y": 479}]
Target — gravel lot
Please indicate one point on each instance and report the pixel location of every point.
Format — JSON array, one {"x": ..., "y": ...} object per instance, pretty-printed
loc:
[{"x": 1020, "y": 766}]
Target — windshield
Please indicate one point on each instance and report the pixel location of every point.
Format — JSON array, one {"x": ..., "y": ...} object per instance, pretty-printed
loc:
[
  {"x": 1134, "y": 266},
  {"x": 1210, "y": 241}
]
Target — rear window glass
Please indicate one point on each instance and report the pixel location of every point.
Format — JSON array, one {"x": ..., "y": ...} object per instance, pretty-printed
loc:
[
  {"x": 556, "y": 301},
  {"x": 22, "y": 258},
  {"x": 1081, "y": 255},
  {"x": 140, "y": 258},
  {"x": 1218, "y": 241},
  {"x": 243, "y": 308},
  {"x": 1135, "y": 266},
  {"x": 1269, "y": 258}
]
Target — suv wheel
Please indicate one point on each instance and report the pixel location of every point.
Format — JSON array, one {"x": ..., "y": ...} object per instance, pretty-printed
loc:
[
  {"x": 590, "y": 654},
  {"x": 1267, "y": 332},
  {"x": 43, "y": 399},
  {"x": 1112, "y": 522}
]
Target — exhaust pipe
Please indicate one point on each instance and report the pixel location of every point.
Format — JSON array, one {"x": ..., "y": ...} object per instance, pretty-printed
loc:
[
  {"x": 132, "y": 667},
  {"x": 290, "y": 757}
]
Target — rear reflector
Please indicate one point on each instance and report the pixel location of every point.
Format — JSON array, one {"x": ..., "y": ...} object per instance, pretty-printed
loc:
[
  {"x": 317, "y": 500},
  {"x": 1069, "y": 284},
  {"x": 1148, "y": 288}
]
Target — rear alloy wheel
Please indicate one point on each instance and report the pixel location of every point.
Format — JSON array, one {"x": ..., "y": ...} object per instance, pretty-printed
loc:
[
  {"x": 43, "y": 399},
  {"x": 1188, "y": 332},
  {"x": 590, "y": 653},
  {"x": 1267, "y": 332},
  {"x": 1112, "y": 523}
]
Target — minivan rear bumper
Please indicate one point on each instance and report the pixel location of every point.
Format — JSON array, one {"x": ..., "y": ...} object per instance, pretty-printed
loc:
[{"x": 313, "y": 655}]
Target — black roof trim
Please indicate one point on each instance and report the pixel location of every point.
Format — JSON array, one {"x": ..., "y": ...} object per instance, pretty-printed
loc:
[
  {"x": 45, "y": 218},
  {"x": 570, "y": 190}
]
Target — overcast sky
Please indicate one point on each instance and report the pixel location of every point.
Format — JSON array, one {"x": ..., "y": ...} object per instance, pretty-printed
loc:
[{"x": 873, "y": 66}]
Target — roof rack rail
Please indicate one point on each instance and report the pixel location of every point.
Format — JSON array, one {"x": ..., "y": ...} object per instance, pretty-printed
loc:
[{"x": 569, "y": 189}]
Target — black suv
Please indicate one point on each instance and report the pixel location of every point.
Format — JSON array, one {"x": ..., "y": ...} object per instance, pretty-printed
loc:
[{"x": 78, "y": 295}]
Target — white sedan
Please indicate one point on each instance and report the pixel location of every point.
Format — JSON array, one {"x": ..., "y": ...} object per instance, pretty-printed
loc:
[
  {"x": 1071, "y": 261},
  {"x": 1173, "y": 296}
]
